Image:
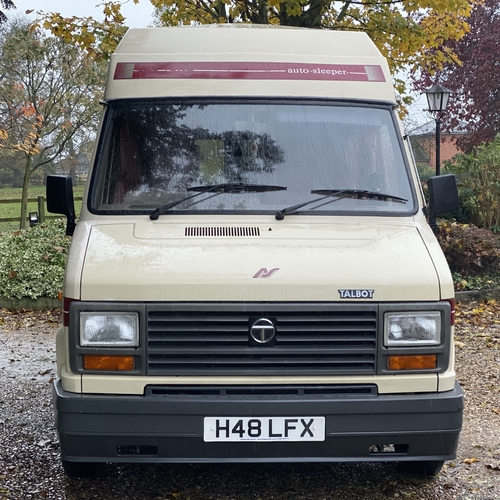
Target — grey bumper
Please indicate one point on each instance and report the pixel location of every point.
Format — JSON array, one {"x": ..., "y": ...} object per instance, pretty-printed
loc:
[{"x": 169, "y": 428}]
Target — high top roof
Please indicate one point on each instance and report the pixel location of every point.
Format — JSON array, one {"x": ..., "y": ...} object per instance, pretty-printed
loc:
[{"x": 248, "y": 60}]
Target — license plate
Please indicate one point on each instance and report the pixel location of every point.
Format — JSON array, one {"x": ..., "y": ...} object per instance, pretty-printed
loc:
[{"x": 264, "y": 429}]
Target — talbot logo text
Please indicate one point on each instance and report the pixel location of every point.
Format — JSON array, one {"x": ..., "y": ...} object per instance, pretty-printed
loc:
[{"x": 356, "y": 294}]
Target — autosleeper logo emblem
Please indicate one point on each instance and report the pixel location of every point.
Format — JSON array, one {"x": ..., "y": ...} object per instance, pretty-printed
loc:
[{"x": 264, "y": 273}]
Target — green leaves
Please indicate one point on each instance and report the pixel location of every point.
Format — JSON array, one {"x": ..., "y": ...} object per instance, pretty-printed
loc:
[
  {"x": 478, "y": 176},
  {"x": 32, "y": 261}
]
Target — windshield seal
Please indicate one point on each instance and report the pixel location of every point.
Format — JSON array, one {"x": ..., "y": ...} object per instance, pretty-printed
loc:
[{"x": 284, "y": 106}]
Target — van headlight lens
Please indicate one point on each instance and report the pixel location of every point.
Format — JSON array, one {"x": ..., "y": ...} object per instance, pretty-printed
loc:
[
  {"x": 109, "y": 329},
  {"x": 412, "y": 328}
]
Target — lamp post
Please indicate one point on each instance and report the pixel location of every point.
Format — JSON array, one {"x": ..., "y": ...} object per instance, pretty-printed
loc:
[{"x": 437, "y": 99}]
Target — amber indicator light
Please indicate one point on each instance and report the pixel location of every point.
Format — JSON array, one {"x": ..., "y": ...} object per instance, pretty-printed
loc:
[
  {"x": 413, "y": 362},
  {"x": 108, "y": 363}
]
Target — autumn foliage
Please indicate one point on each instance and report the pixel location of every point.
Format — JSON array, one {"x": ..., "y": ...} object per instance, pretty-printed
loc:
[
  {"x": 469, "y": 250},
  {"x": 411, "y": 34},
  {"x": 49, "y": 98},
  {"x": 473, "y": 76}
]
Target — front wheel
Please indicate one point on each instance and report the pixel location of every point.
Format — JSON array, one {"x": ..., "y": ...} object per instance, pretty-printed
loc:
[{"x": 425, "y": 469}]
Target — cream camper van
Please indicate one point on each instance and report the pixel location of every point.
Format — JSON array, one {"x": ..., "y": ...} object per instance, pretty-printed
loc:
[{"x": 252, "y": 277}]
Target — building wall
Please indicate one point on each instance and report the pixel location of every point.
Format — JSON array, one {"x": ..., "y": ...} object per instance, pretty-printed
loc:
[{"x": 448, "y": 147}]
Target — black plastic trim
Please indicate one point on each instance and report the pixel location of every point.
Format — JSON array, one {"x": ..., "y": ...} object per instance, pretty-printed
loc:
[{"x": 98, "y": 428}]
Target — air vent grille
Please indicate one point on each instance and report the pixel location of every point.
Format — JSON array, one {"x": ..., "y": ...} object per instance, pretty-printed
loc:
[{"x": 222, "y": 231}]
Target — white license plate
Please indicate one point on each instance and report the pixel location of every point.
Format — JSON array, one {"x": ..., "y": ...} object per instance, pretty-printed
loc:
[{"x": 264, "y": 429}]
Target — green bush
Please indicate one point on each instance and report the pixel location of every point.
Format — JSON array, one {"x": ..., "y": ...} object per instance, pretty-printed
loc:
[
  {"x": 32, "y": 261},
  {"x": 424, "y": 171},
  {"x": 478, "y": 176},
  {"x": 469, "y": 250}
]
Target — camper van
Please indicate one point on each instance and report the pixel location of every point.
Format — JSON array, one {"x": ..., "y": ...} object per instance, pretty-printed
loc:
[{"x": 252, "y": 277}]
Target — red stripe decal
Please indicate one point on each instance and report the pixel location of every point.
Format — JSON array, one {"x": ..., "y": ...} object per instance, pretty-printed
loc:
[{"x": 248, "y": 71}]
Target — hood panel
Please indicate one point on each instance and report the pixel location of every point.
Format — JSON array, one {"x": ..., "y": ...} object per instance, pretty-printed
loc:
[{"x": 147, "y": 261}]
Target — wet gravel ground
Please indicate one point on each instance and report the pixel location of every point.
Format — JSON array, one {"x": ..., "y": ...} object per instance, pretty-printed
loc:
[{"x": 29, "y": 455}]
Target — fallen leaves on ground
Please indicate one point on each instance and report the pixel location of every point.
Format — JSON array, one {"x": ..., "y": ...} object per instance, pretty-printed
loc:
[
  {"x": 485, "y": 314},
  {"x": 469, "y": 461},
  {"x": 23, "y": 318}
]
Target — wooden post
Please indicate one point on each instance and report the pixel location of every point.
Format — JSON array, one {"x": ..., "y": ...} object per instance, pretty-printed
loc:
[{"x": 41, "y": 209}]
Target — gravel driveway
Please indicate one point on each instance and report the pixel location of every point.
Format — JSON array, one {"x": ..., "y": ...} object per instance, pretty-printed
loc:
[{"x": 29, "y": 455}]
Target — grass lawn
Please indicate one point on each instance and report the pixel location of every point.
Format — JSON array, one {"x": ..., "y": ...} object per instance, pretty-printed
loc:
[{"x": 9, "y": 210}]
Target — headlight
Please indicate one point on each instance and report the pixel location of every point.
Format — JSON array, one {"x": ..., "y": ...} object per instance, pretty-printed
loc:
[
  {"x": 109, "y": 329},
  {"x": 412, "y": 328}
]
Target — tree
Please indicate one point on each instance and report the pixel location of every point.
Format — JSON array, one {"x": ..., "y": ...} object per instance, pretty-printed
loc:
[
  {"x": 474, "y": 77},
  {"x": 49, "y": 95},
  {"x": 11, "y": 168},
  {"x": 410, "y": 33},
  {"x": 5, "y": 5}
]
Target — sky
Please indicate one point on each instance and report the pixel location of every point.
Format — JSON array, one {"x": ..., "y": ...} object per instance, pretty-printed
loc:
[{"x": 137, "y": 16}]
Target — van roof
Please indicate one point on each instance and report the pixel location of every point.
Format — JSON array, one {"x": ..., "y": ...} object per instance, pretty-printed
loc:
[{"x": 248, "y": 60}]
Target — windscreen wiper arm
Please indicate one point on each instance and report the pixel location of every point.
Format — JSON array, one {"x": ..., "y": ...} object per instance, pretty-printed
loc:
[
  {"x": 227, "y": 187},
  {"x": 237, "y": 187},
  {"x": 339, "y": 194}
]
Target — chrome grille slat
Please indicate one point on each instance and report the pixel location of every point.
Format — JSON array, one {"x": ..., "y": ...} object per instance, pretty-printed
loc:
[{"x": 214, "y": 340}]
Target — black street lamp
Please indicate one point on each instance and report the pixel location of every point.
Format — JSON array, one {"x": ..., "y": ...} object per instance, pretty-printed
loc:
[{"x": 437, "y": 99}]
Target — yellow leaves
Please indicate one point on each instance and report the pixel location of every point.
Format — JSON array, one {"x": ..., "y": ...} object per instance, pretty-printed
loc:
[
  {"x": 4, "y": 136},
  {"x": 469, "y": 461},
  {"x": 478, "y": 317},
  {"x": 97, "y": 38},
  {"x": 408, "y": 34},
  {"x": 28, "y": 144}
]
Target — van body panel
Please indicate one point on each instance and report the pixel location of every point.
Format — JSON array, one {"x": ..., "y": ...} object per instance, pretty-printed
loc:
[
  {"x": 157, "y": 262},
  {"x": 251, "y": 44},
  {"x": 161, "y": 429},
  {"x": 402, "y": 384}
]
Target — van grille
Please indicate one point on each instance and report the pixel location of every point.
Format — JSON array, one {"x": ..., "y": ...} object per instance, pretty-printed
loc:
[{"x": 214, "y": 340}]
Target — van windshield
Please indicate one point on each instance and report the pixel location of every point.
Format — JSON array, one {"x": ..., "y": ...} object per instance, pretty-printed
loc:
[{"x": 154, "y": 154}]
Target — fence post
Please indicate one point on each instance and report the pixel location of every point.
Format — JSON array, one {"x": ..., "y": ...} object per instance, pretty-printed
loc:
[{"x": 41, "y": 209}]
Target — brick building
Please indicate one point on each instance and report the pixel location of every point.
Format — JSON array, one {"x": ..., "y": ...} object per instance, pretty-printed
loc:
[{"x": 423, "y": 141}]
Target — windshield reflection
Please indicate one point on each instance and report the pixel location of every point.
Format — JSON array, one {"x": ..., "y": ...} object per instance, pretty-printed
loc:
[{"x": 152, "y": 153}]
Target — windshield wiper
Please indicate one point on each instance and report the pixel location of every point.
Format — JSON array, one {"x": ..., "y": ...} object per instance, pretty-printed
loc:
[
  {"x": 237, "y": 187},
  {"x": 339, "y": 194},
  {"x": 227, "y": 187}
]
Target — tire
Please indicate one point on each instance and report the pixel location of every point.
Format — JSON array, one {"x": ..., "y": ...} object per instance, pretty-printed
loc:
[
  {"x": 79, "y": 469},
  {"x": 425, "y": 469}
]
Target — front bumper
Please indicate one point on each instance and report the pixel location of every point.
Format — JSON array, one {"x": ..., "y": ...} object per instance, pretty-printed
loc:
[{"x": 169, "y": 428}]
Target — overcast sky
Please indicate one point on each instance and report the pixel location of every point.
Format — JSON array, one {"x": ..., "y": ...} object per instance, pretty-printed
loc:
[{"x": 137, "y": 16}]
